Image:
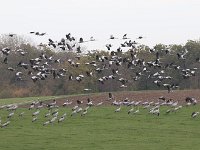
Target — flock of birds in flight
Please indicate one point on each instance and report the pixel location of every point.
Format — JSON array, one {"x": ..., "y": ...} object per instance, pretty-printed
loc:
[{"x": 43, "y": 67}]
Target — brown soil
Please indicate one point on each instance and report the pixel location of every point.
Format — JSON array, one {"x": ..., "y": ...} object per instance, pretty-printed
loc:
[{"x": 136, "y": 96}]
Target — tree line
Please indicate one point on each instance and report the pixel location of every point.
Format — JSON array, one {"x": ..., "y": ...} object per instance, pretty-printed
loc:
[{"x": 11, "y": 87}]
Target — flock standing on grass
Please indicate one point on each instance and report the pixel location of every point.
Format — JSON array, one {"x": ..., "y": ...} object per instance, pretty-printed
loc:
[{"x": 52, "y": 116}]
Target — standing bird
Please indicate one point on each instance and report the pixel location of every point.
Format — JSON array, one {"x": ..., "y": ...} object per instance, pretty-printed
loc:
[
  {"x": 5, "y": 124},
  {"x": 118, "y": 109},
  {"x": 36, "y": 113},
  {"x": 21, "y": 114},
  {"x": 194, "y": 114},
  {"x": 55, "y": 113},
  {"x": 74, "y": 112},
  {"x": 110, "y": 96},
  {"x": 137, "y": 111},
  {"x": 34, "y": 119},
  {"x": 79, "y": 102},
  {"x": 131, "y": 110},
  {"x": 48, "y": 114},
  {"x": 46, "y": 123},
  {"x": 84, "y": 113},
  {"x": 10, "y": 115},
  {"x": 99, "y": 104},
  {"x": 61, "y": 119},
  {"x": 168, "y": 111},
  {"x": 53, "y": 119}
]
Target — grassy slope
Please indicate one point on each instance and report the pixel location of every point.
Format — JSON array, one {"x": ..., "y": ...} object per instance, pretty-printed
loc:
[{"x": 104, "y": 129}]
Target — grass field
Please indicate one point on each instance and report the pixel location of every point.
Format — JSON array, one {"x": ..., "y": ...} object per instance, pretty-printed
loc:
[
  {"x": 30, "y": 99},
  {"x": 102, "y": 128},
  {"x": 25, "y": 100}
]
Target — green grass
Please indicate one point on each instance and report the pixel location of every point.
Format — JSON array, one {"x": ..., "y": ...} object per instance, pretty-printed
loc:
[
  {"x": 5, "y": 101},
  {"x": 103, "y": 129},
  {"x": 24, "y": 100},
  {"x": 30, "y": 99}
]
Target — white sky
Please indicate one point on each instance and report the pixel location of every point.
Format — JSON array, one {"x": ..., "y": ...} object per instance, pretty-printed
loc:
[{"x": 159, "y": 21}]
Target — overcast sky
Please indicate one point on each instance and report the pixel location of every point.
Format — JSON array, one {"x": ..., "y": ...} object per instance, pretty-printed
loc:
[{"x": 159, "y": 21}]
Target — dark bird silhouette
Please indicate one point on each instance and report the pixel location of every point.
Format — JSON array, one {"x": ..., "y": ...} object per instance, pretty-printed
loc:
[
  {"x": 81, "y": 40},
  {"x": 11, "y": 35},
  {"x": 181, "y": 56},
  {"x": 79, "y": 102},
  {"x": 110, "y": 96},
  {"x": 125, "y": 37},
  {"x": 6, "y": 51},
  {"x": 168, "y": 86},
  {"x": 112, "y": 37},
  {"x": 108, "y": 46},
  {"x": 5, "y": 60},
  {"x": 140, "y": 37}
]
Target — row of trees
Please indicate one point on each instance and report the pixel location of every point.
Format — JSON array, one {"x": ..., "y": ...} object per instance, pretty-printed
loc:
[{"x": 11, "y": 87}]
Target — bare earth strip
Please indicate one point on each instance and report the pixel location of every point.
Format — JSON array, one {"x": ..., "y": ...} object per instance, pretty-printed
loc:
[{"x": 178, "y": 95}]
